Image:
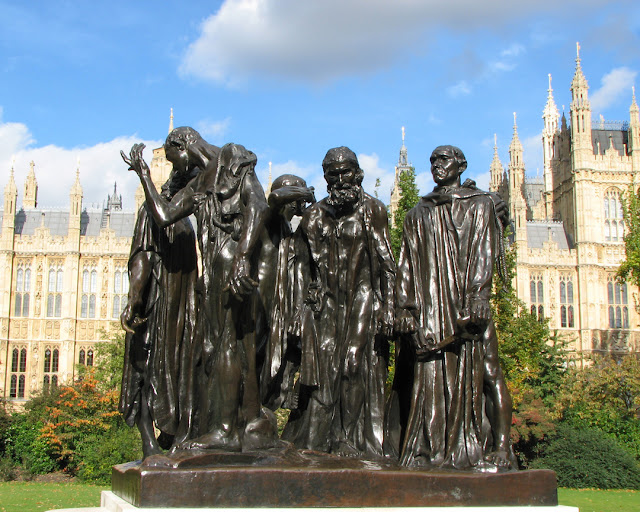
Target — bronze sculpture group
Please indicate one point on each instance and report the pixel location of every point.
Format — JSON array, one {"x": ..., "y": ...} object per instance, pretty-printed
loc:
[{"x": 303, "y": 319}]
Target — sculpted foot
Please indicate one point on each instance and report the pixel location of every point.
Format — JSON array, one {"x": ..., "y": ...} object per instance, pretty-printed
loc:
[
  {"x": 499, "y": 458},
  {"x": 215, "y": 440}
]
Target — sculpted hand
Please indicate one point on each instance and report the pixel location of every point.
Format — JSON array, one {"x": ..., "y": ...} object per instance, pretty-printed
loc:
[
  {"x": 386, "y": 320},
  {"x": 240, "y": 284},
  {"x": 405, "y": 323},
  {"x": 135, "y": 161},
  {"x": 129, "y": 320},
  {"x": 479, "y": 311},
  {"x": 424, "y": 345}
]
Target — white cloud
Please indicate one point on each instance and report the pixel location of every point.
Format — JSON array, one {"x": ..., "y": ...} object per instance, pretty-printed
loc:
[
  {"x": 370, "y": 164},
  {"x": 320, "y": 41},
  {"x": 513, "y": 51},
  {"x": 462, "y": 88},
  {"x": 616, "y": 83},
  {"x": 55, "y": 167},
  {"x": 214, "y": 130}
]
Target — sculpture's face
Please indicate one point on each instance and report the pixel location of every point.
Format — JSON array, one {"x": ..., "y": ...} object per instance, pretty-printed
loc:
[
  {"x": 444, "y": 166},
  {"x": 342, "y": 182},
  {"x": 176, "y": 153}
]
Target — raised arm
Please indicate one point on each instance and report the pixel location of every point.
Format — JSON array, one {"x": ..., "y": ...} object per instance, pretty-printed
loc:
[{"x": 164, "y": 212}]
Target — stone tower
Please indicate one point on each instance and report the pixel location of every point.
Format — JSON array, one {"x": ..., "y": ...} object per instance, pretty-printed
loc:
[{"x": 403, "y": 165}]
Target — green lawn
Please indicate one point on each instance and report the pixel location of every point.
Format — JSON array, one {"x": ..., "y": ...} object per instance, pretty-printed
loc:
[
  {"x": 590, "y": 500},
  {"x": 37, "y": 497}
]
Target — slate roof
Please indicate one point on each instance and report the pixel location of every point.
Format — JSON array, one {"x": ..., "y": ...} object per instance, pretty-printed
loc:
[
  {"x": 533, "y": 189},
  {"x": 538, "y": 233},
  {"x": 57, "y": 221},
  {"x": 602, "y": 139}
]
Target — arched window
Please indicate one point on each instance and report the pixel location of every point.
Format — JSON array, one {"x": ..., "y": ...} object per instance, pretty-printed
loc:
[
  {"x": 536, "y": 295},
  {"x": 23, "y": 287},
  {"x": 566, "y": 301},
  {"x": 51, "y": 365},
  {"x": 47, "y": 361},
  {"x": 90, "y": 357},
  {"x": 613, "y": 215},
  {"x": 617, "y": 298},
  {"x": 81, "y": 355},
  {"x": 89, "y": 290},
  {"x": 45, "y": 383},
  {"x": 18, "y": 371},
  {"x": 54, "y": 293},
  {"x": 120, "y": 291}
]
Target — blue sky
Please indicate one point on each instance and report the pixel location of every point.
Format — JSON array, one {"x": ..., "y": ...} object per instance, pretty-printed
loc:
[{"x": 290, "y": 79}]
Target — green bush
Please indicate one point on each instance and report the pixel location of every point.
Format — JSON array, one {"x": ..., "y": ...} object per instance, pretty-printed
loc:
[
  {"x": 589, "y": 458},
  {"x": 95, "y": 454},
  {"x": 8, "y": 470},
  {"x": 25, "y": 447}
]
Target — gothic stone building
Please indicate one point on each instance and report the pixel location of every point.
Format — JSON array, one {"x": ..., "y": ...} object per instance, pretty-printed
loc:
[
  {"x": 64, "y": 282},
  {"x": 569, "y": 225}
]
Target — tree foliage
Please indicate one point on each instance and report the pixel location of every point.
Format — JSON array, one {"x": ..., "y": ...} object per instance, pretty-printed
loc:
[
  {"x": 409, "y": 197},
  {"x": 532, "y": 360},
  {"x": 630, "y": 268},
  {"x": 587, "y": 458},
  {"x": 605, "y": 395}
]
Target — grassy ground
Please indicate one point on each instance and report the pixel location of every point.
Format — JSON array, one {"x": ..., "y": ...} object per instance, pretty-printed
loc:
[
  {"x": 37, "y": 497},
  {"x": 592, "y": 500}
]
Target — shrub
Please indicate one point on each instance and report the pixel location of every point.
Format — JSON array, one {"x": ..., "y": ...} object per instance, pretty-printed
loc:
[
  {"x": 8, "y": 470},
  {"x": 24, "y": 446},
  {"x": 589, "y": 458}
]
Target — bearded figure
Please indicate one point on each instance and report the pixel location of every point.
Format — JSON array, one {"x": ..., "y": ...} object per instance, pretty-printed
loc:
[{"x": 344, "y": 315}]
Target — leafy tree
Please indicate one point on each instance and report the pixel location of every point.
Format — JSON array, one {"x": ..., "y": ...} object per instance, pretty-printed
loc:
[
  {"x": 605, "y": 395},
  {"x": 409, "y": 197},
  {"x": 630, "y": 268},
  {"x": 532, "y": 361}
]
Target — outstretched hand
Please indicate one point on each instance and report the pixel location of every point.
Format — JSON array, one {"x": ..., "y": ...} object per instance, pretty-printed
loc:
[{"x": 135, "y": 161}]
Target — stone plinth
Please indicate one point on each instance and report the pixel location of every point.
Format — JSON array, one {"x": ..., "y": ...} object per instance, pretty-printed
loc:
[{"x": 291, "y": 479}]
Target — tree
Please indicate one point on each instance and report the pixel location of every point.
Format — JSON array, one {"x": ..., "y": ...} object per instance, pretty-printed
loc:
[
  {"x": 605, "y": 395},
  {"x": 630, "y": 268},
  {"x": 532, "y": 361},
  {"x": 409, "y": 197}
]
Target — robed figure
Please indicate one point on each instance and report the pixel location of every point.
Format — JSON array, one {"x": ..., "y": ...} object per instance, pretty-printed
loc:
[{"x": 449, "y": 406}]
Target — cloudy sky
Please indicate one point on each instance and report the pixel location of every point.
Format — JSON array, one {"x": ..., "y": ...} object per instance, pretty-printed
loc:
[{"x": 290, "y": 79}]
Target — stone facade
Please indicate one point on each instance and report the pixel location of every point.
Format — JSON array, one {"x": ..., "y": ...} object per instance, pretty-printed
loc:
[
  {"x": 569, "y": 226},
  {"x": 63, "y": 282}
]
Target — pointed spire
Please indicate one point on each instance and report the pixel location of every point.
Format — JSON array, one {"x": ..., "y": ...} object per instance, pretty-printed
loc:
[
  {"x": 270, "y": 182},
  {"x": 30, "y": 199},
  {"x": 171, "y": 121},
  {"x": 496, "y": 169},
  {"x": 402, "y": 158},
  {"x": 634, "y": 106},
  {"x": 579, "y": 81},
  {"x": 550, "y": 113},
  {"x": 515, "y": 141},
  {"x": 76, "y": 188}
]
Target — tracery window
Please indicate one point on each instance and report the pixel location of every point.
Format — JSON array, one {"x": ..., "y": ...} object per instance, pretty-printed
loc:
[
  {"x": 613, "y": 216},
  {"x": 54, "y": 292},
  {"x": 18, "y": 371},
  {"x": 89, "y": 291},
  {"x": 120, "y": 291},
  {"x": 566, "y": 301},
  {"x": 85, "y": 357},
  {"x": 51, "y": 365},
  {"x": 23, "y": 289},
  {"x": 537, "y": 296},
  {"x": 618, "y": 300}
]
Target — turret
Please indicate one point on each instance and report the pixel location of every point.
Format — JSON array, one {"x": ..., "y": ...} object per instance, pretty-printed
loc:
[
  {"x": 517, "y": 203},
  {"x": 581, "y": 145},
  {"x": 75, "y": 208},
  {"x": 403, "y": 165},
  {"x": 634, "y": 135},
  {"x": 550, "y": 116},
  {"x": 30, "y": 199},
  {"x": 496, "y": 169},
  {"x": 9, "y": 216}
]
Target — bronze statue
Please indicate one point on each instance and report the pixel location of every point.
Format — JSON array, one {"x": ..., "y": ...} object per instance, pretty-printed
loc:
[
  {"x": 231, "y": 210},
  {"x": 344, "y": 315},
  {"x": 278, "y": 352},
  {"x": 159, "y": 318},
  {"x": 449, "y": 406}
]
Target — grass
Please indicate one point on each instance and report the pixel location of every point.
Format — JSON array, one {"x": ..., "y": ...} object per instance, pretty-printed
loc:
[
  {"x": 37, "y": 497},
  {"x": 595, "y": 500}
]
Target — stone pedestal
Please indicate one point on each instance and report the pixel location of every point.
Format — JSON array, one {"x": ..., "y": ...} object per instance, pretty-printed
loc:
[{"x": 303, "y": 480}]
